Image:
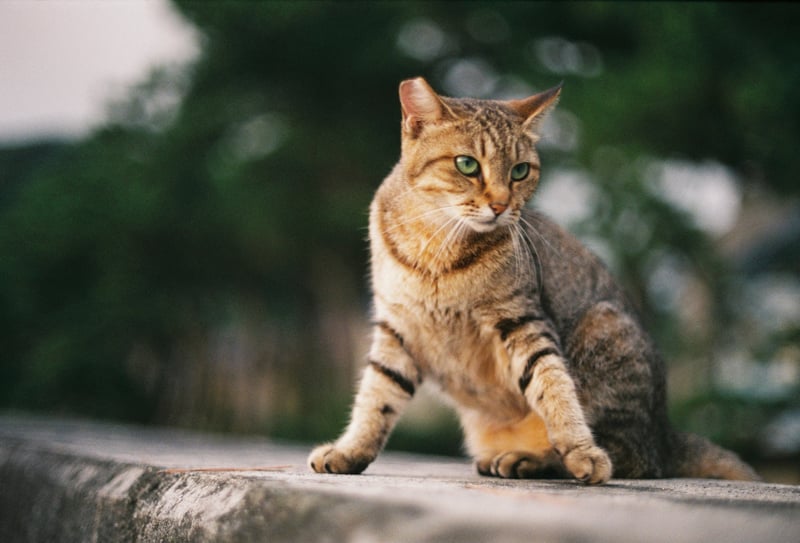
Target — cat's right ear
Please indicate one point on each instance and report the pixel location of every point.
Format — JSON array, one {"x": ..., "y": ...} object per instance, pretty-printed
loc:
[{"x": 420, "y": 105}]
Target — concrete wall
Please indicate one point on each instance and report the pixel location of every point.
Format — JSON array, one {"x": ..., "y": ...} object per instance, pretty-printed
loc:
[{"x": 66, "y": 480}]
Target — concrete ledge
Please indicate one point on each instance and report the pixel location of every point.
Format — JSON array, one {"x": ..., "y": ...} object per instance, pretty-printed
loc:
[{"x": 83, "y": 481}]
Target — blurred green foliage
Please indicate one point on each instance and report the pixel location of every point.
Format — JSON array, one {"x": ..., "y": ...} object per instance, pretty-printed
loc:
[{"x": 235, "y": 190}]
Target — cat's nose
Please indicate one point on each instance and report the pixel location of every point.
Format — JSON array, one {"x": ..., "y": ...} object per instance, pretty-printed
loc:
[{"x": 498, "y": 207}]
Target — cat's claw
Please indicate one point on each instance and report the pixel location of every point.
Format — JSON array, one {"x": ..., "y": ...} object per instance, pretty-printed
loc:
[
  {"x": 588, "y": 463},
  {"x": 329, "y": 459},
  {"x": 513, "y": 465}
]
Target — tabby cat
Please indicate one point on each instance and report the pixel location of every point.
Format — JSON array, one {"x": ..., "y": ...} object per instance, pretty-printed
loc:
[{"x": 519, "y": 325}]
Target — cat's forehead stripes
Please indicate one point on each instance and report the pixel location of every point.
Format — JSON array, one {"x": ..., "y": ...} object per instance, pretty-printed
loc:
[{"x": 494, "y": 128}]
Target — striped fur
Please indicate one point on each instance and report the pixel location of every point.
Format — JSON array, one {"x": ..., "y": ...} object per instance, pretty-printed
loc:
[{"x": 506, "y": 313}]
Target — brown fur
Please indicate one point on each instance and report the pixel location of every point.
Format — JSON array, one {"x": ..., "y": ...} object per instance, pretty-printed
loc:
[{"x": 520, "y": 326}]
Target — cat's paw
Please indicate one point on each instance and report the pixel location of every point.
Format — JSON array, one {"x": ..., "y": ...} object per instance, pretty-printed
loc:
[
  {"x": 588, "y": 463},
  {"x": 513, "y": 465},
  {"x": 329, "y": 459}
]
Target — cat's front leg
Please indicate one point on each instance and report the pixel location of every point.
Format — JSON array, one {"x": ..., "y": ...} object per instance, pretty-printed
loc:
[
  {"x": 541, "y": 375},
  {"x": 552, "y": 394},
  {"x": 389, "y": 382}
]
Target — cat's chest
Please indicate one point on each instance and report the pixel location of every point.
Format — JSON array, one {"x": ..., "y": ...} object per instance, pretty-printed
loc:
[
  {"x": 466, "y": 360},
  {"x": 454, "y": 342},
  {"x": 438, "y": 317},
  {"x": 448, "y": 333}
]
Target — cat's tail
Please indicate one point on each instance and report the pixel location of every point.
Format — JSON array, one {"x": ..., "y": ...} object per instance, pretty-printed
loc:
[{"x": 696, "y": 456}]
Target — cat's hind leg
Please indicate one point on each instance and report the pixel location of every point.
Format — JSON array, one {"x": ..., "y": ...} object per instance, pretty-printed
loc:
[
  {"x": 522, "y": 465},
  {"x": 620, "y": 383},
  {"x": 516, "y": 450}
]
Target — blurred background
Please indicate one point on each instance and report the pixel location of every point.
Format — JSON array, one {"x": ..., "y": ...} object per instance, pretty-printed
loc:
[{"x": 184, "y": 190}]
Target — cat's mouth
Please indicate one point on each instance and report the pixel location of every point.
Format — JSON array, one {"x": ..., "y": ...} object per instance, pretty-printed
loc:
[{"x": 485, "y": 225}]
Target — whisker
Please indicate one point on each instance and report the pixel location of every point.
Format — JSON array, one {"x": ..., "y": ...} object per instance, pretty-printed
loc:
[
  {"x": 433, "y": 236},
  {"x": 525, "y": 257},
  {"x": 529, "y": 245},
  {"x": 420, "y": 216},
  {"x": 515, "y": 243},
  {"x": 533, "y": 229},
  {"x": 533, "y": 252},
  {"x": 449, "y": 238}
]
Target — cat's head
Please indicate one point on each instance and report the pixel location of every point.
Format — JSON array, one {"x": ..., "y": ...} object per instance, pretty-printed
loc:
[{"x": 475, "y": 160}]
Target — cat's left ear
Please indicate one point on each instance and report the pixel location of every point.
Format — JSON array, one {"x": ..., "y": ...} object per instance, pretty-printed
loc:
[
  {"x": 534, "y": 108},
  {"x": 420, "y": 105}
]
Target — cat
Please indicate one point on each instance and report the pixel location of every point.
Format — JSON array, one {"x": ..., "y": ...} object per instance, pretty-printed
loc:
[{"x": 521, "y": 327}]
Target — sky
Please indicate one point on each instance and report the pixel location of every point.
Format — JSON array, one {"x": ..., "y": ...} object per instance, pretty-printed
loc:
[{"x": 63, "y": 61}]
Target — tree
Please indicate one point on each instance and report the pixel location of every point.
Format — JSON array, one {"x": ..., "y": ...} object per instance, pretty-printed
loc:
[{"x": 207, "y": 243}]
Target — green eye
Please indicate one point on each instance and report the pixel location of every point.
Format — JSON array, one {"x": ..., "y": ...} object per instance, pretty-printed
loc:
[
  {"x": 467, "y": 165},
  {"x": 520, "y": 171}
]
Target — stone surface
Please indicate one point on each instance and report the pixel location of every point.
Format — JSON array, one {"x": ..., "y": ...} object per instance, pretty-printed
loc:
[{"x": 67, "y": 480}]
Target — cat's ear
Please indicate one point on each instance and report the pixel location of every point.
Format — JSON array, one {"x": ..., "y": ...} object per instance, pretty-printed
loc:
[
  {"x": 534, "y": 108},
  {"x": 420, "y": 105}
]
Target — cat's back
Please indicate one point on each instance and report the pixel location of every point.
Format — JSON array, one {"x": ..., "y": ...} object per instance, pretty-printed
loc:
[{"x": 571, "y": 279}]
